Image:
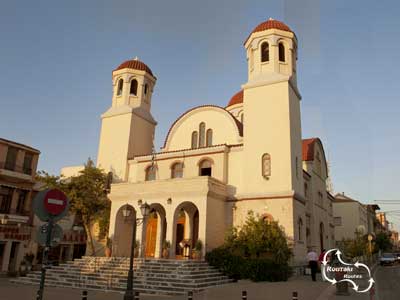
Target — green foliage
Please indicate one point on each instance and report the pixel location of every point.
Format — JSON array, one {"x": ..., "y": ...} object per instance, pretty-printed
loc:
[
  {"x": 257, "y": 251},
  {"x": 166, "y": 245},
  {"x": 354, "y": 247},
  {"x": 383, "y": 242},
  {"x": 255, "y": 269},
  {"x": 259, "y": 238},
  {"x": 88, "y": 196},
  {"x": 198, "y": 245}
]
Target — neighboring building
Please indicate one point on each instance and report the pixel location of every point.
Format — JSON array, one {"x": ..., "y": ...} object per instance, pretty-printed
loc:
[
  {"x": 373, "y": 224},
  {"x": 217, "y": 164},
  {"x": 350, "y": 217},
  {"x": 383, "y": 223},
  {"x": 18, "y": 165},
  {"x": 394, "y": 236}
]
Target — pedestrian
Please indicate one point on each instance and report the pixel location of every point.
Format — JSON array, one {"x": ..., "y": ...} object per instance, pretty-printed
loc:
[
  {"x": 312, "y": 258},
  {"x": 322, "y": 266}
]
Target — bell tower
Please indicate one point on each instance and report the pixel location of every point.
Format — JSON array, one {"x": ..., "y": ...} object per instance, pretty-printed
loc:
[
  {"x": 271, "y": 104},
  {"x": 127, "y": 127}
]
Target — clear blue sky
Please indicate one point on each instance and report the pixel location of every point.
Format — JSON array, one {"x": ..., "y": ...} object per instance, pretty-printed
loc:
[{"x": 56, "y": 59}]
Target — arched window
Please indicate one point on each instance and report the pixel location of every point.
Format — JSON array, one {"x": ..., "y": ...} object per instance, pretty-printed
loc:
[
  {"x": 281, "y": 52},
  {"x": 242, "y": 118},
  {"x": 120, "y": 86},
  {"x": 202, "y": 133},
  {"x": 205, "y": 168},
  {"x": 177, "y": 170},
  {"x": 300, "y": 228},
  {"x": 264, "y": 52},
  {"x": 150, "y": 173},
  {"x": 133, "y": 89},
  {"x": 209, "y": 137},
  {"x": 195, "y": 137},
  {"x": 145, "y": 89}
]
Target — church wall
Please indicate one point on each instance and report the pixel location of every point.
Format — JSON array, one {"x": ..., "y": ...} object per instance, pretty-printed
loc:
[
  {"x": 224, "y": 128},
  {"x": 142, "y": 132},
  {"x": 115, "y": 130},
  {"x": 191, "y": 166},
  {"x": 267, "y": 130}
]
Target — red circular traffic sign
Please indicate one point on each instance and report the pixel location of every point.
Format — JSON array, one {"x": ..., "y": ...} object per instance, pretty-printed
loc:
[{"x": 55, "y": 202}]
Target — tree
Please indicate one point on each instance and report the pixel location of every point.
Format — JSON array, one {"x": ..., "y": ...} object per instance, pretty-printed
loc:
[
  {"x": 88, "y": 194},
  {"x": 383, "y": 242},
  {"x": 259, "y": 238}
]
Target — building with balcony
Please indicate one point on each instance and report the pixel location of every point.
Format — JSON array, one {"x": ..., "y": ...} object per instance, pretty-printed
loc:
[{"x": 18, "y": 165}]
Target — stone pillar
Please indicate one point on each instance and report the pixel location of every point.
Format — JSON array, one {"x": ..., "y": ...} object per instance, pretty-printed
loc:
[
  {"x": 6, "y": 256},
  {"x": 169, "y": 236}
]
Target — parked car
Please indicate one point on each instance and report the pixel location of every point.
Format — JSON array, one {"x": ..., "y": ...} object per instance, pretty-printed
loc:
[
  {"x": 387, "y": 259},
  {"x": 397, "y": 255}
]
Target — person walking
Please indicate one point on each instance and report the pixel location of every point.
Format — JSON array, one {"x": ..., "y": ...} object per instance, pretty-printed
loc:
[{"x": 312, "y": 258}]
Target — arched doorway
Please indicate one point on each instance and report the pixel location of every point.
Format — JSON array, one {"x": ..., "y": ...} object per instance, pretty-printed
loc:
[
  {"x": 186, "y": 228},
  {"x": 321, "y": 235},
  {"x": 122, "y": 238},
  {"x": 155, "y": 231}
]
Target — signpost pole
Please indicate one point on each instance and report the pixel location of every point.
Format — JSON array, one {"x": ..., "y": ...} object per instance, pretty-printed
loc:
[{"x": 45, "y": 257}]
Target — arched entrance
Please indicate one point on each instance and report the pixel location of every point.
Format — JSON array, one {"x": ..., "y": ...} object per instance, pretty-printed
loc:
[
  {"x": 155, "y": 232},
  {"x": 186, "y": 229},
  {"x": 122, "y": 238}
]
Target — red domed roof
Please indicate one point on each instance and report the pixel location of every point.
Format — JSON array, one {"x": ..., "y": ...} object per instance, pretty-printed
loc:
[
  {"x": 270, "y": 24},
  {"x": 136, "y": 65},
  {"x": 236, "y": 99}
]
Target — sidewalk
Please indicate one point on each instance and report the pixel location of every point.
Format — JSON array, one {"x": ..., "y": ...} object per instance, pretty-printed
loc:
[{"x": 306, "y": 289}]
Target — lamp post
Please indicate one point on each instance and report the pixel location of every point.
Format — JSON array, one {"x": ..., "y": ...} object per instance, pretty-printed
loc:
[{"x": 126, "y": 212}]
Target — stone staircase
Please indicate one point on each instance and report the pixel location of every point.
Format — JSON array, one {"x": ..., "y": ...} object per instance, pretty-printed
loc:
[{"x": 151, "y": 276}]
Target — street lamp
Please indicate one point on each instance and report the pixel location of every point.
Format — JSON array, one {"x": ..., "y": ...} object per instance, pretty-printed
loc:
[{"x": 126, "y": 212}]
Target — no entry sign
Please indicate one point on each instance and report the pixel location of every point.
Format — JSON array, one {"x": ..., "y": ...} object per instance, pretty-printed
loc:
[{"x": 55, "y": 202}]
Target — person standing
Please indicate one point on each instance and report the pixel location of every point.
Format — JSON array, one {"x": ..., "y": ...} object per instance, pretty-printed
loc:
[{"x": 312, "y": 258}]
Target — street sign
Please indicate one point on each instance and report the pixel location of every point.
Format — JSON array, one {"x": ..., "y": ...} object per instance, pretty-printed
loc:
[
  {"x": 55, "y": 202},
  {"x": 42, "y": 212},
  {"x": 55, "y": 237}
]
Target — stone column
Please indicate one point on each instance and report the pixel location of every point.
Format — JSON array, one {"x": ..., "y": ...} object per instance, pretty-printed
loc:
[{"x": 6, "y": 256}]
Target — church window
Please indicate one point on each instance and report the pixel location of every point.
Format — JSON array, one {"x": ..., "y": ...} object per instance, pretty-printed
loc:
[
  {"x": 202, "y": 133},
  {"x": 134, "y": 86},
  {"x": 264, "y": 52},
  {"x": 305, "y": 190},
  {"x": 297, "y": 168},
  {"x": 300, "y": 228},
  {"x": 242, "y": 118},
  {"x": 177, "y": 170},
  {"x": 318, "y": 158},
  {"x": 281, "y": 52},
  {"x": 194, "y": 139},
  {"x": 120, "y": 86},
  {"x": 209, "y": 137},
  {"x": 205, "y": 168},
  {"x": 145, "y": 89},
  {"x": 151, "y": 173}
]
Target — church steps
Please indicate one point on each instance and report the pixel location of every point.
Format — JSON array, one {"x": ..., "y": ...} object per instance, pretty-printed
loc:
[{"x": 151, "y": 276}]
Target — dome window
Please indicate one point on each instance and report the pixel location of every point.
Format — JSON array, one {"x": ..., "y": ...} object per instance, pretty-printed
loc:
[
  {"x": 264, "y": 52},
  {"x": 209, "y": 136},
  {"x": 145, "y": 89},
  {"x": 120, "y": 87},
  {"x": 150, "y": 173},
  {"x": 202, "y": 133},
  {"x": 194, "y": 139},
  {"x": 281, "y": 52},
  {"x": 133, "y": 88}
]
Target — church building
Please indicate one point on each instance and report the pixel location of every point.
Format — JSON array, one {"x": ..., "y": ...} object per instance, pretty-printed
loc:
[{"x": 217, "y": 163}]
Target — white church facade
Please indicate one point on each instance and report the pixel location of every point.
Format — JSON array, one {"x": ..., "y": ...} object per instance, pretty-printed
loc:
[{"x": 217, "y": 163}]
